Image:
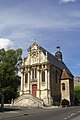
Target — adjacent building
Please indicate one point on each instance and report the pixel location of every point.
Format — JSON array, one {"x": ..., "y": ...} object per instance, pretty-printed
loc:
[{"x": 77, "y": 81}]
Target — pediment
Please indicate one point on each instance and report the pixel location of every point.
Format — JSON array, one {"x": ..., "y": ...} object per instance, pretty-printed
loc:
[
  {"x": 33, "y": 49},
  {"x": 36, "y": 54}
]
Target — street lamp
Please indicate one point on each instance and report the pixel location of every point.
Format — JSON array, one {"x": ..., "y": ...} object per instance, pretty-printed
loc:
[{"x": 2, "y": 99}]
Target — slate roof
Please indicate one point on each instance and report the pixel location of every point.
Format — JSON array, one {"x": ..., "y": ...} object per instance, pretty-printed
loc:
[{"x": 53, "y": 60}]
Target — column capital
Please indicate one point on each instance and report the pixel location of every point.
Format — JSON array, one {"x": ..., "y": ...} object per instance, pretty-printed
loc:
[
  {"x": 28, "y": 69},
  {"x": 22, "y": 71}
]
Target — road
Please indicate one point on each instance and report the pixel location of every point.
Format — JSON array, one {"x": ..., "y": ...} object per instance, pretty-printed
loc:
[{"x": 67, "y": 113}]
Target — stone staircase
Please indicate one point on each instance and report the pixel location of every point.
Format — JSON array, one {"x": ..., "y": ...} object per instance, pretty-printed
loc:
[{"x": 28, "y": 100}]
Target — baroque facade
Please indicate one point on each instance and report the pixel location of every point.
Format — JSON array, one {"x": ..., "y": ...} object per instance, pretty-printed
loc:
[{"x": 46, "y": 77}]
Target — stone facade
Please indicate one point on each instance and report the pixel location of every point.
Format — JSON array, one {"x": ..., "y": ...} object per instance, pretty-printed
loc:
[
  {"x": 42, "y": 76},
  {"x": 67, "y": 87},
  {"x": 77, "y": 81}
]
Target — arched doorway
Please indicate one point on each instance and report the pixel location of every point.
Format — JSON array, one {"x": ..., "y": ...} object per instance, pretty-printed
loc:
[{"x": 34, "y": 89}]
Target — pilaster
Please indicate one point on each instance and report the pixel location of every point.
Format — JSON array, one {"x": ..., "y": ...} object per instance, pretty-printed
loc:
[
  {"x": 38, "y": 82},
  {"x": 22, "y": 82},
  {"x": 28, "y": 87},
  {"x": 48, "y": 77}
]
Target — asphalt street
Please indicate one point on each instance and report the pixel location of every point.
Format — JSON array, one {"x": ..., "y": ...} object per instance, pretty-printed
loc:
[{"x": 67, "y": 113}]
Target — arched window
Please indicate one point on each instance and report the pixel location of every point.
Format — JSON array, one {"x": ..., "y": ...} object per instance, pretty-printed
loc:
[
  {"x": 43, "y": 76},
  {"x": 56, "y": 76},
  {"x": 63, "y": 86},
  {"x": 26, "y": 78},
  {"x": 34, "y": 73}
]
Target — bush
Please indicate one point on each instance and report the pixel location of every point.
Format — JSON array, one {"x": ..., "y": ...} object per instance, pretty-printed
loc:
[
  {"x": 77, "y": 95},
  {"x": 77, "y": 92}
]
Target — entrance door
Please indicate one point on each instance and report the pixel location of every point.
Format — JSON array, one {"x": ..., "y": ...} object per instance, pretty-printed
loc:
[{"x": 34, "y": 88}]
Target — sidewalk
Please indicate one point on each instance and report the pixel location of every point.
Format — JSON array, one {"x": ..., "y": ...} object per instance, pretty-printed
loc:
[{"x": 77, "y": 118}]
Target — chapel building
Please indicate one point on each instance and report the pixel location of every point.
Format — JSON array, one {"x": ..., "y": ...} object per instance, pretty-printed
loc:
[{"x": 45, "y": 76}]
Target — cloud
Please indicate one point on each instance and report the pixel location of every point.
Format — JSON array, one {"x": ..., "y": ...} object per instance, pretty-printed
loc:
[
  {"x": 5, "y": 43},
  {"x": 66, "y": 1},
  {"x": 20, "y": 18}
]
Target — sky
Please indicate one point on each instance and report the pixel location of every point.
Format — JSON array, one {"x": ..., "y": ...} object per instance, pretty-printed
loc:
[{"x": 23, "y": 21}]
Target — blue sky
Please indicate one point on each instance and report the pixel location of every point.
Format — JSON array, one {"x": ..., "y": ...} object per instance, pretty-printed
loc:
[{"x": 21, "y": 21}]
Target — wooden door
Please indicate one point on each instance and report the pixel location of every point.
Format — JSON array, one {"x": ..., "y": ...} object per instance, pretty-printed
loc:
[{"x": 34, "y": 89}]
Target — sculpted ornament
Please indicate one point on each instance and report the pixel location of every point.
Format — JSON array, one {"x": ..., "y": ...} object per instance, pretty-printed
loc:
[{"x": 34, "y": 53}]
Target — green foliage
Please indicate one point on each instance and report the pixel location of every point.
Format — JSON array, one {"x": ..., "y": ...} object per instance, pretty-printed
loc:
[
  {"x": 10, "y": 62},
  {"x": 77, "y": 92}
]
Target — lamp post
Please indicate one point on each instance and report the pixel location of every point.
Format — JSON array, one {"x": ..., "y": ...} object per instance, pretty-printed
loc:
[{"x": 2, "y": 99}]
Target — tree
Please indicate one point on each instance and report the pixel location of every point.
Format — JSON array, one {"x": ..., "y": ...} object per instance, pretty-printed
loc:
[
  {"x": 77, "y": 92},
  {"x": 10, "y": 62}
]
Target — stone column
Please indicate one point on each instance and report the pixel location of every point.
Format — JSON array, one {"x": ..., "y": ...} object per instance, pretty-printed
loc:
[
  {"x": 22, "y": 82},
  {"x": 48, "y": 76},
  {"x": 38, "y": 82},
  {"x": 46, "y": 86},
  {"x": 50, "y": 101},
  {"x": 28, "y": 87}
]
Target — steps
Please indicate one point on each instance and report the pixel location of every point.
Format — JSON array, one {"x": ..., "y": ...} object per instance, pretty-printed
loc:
[{"x": 28, "y": 100}]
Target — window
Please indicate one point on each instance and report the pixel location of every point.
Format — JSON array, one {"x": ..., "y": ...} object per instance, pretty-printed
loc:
[
  {"x": 43, "y": 66},
  {"x": 34, "y": 73},
  {"x": 26, "y": 78},
  {"x": 63, "y": 86},
  {"x": 56, "y": 77},
  {"x": 43, "y": 76}
]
